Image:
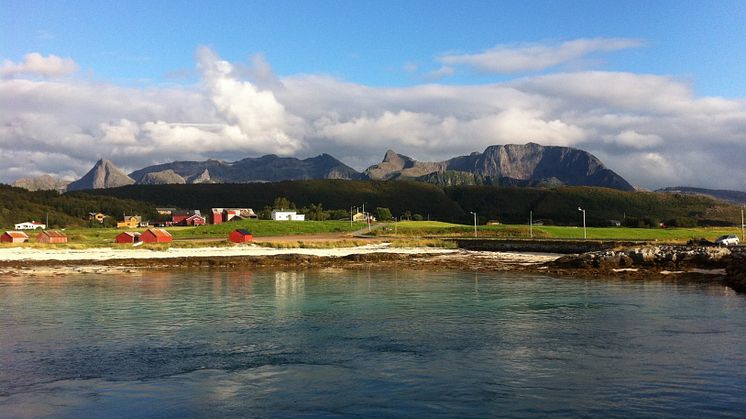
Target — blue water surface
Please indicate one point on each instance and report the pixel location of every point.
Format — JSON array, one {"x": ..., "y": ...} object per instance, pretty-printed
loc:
[{"x": 367, "y": 343}]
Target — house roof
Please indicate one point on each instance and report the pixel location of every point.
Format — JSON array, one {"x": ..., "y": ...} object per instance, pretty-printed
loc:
[
  {"x": 53, "y": 233},
  {"x": 243, "y": 231},
  {"x": 130, "y": 233},
  {"x": 17, "y": 234},
  {"x": 159, "y": 232},
  {"x": 195, "y": 216}
]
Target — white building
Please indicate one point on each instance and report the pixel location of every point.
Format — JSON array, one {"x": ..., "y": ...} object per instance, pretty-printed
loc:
[
  {"x": 30, "y": 225},
  {"x": 287, "y": 216}
]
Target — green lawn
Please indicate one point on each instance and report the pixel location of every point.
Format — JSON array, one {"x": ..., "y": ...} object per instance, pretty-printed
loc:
[
  {"x": 434, "y": 228},
  {"x": 259, "y": 228}
]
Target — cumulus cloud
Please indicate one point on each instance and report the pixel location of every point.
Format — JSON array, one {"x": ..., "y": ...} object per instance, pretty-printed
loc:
[
  {"x": 39, "y": 65},
  {"x": 504, "y": 59},
  {"x": 653, "y": 130}
]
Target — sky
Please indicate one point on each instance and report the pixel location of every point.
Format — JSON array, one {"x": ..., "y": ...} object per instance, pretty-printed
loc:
[{"x": 656, "y": 90}]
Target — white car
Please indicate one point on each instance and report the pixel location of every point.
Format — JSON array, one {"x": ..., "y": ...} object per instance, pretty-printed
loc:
[{"x": 727, "y": 240}]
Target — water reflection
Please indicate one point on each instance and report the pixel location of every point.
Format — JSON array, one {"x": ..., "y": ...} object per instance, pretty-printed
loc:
[{"x": 279, "y": 343}]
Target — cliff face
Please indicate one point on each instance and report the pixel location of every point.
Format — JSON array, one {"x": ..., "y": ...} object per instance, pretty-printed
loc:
[
  {"x": 529, "y": 164},
  {"x": 104, "y": 174}
]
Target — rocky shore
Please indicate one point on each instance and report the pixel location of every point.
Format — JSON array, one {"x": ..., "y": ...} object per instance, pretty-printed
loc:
[
  {"x": 641, "y": 262},
  {"x": 663, "y": 257},
  {"x": 736, "y": 271}
]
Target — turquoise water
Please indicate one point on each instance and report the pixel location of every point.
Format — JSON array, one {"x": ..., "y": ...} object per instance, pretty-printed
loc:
[{"x": 359, "y": 343}]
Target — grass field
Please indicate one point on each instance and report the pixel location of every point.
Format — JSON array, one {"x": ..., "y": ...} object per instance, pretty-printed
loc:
[
  {"x": 435, "y": 228},
  {"x": 259, "y": 228},
  {"x": 405, "y": 231}
]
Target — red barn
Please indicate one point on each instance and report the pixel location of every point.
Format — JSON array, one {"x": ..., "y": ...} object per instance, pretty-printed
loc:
[
  {"x": 14, "y": 237},
  {"x": 240, "y": 236},
  {"x": 156, "y": 235},
  {"x": 128, "y": 237},
  {"x": 51, "y": 236}
]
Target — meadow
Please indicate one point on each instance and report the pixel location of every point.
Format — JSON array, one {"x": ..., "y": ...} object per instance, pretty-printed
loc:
[
  {"x": 440, "y": 229},
  {"x": 428, "y": 233}
]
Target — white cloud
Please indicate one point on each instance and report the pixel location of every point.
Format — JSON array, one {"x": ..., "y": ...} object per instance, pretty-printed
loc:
[
  {"x": 443, "y": 71},
  {"x": 652, "y": 130},
  {"x": 504, "y": 59},
  {"x": 633, "y": 139},
  {"x": 39, "y": 65}
]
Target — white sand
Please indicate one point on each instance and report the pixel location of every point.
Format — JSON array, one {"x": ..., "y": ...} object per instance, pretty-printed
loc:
[{"x": 25, "y": 253}]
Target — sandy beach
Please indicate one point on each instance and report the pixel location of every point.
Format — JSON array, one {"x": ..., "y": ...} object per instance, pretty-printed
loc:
[
  {"x": 34, "y": 261},
  {"x": 105, "y": 253}
]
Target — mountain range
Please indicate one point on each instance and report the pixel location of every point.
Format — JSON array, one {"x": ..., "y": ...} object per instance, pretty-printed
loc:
[{"x": 515, "y": 165}]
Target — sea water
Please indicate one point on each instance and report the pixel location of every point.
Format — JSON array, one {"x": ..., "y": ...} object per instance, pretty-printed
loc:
[{"x": 367, "y": 343}]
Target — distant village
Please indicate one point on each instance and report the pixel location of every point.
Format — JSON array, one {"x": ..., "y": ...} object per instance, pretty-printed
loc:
[{"x": 155, "y": 229}]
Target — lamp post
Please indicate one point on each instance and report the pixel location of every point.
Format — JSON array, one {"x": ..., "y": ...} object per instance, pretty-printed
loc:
[
  {"x": 585, "y": 233},
  {"x": 475, "y": 223},
  {"x": 743, "y": 228},
  {"x": 531, "y": 223}
]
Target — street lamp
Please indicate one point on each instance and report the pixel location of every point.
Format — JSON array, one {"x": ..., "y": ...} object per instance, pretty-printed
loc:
[
  {"x": 475, "y": 223},
  {"x": 585, "y": 233}
]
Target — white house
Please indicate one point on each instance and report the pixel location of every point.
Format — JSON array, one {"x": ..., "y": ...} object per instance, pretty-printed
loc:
[
  {"x": 30, "y": 225},
  {"x": 287, "y": 216}
]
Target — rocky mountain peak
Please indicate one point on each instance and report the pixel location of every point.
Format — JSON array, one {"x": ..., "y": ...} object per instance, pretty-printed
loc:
[{"x": 104, "y": 174}]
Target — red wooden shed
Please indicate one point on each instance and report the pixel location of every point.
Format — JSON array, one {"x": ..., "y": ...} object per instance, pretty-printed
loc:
[
  {"x": 51, "y": 236},
  {"x": 240, "y": 236},
  {"x": 156, "y": 235},
  {"x": 128, "y": 237},
  {"x": 13, "y": 237}
]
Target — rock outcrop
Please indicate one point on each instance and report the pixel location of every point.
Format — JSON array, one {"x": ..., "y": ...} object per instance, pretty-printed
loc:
[
  {"x": 104, "y": 174},
  {"x": 203, "y": 177},
  {"x": 668, "y": 257},
  {"x": 164, "y": 177},
  {"x": 735, "y": 273}
]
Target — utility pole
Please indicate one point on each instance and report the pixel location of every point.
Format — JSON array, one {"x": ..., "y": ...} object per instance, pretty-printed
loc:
[
  {"x": 531, "y": 224},
  {"x": 475, "y": 223},
  {"x": 351, "y": 216},
  {"x": 585, "y": 233},
  {"x": 743, "y": 227}
]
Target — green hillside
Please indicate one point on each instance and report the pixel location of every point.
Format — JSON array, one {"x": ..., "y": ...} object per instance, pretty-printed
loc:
[
  {"x": 19, "y": 205},
  {"x": 400, "y": 196},
  {"x": 560, "y": 205}
]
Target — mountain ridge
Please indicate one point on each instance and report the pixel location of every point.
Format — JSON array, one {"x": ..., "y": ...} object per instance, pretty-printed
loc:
[{"x": 529, "y": 164}]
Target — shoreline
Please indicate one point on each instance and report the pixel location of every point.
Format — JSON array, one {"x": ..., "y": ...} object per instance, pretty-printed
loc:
[{"x": 18, "y": 262}]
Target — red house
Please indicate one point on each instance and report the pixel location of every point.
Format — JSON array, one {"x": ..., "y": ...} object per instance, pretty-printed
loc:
[
  {"x": 51, "y": 236},
  {"x": 13, "y": 237},
  {"x": 217, "y": 215},
  {"x": 156, "y": 235},
  {"x": 240, "y": 236},
  {"x": 128, "y": 237}
]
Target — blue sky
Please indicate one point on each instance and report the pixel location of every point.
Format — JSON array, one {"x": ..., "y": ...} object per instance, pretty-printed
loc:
[
  {"x": 370, "y": 42},
  {"x": 656, "y": 89}
]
